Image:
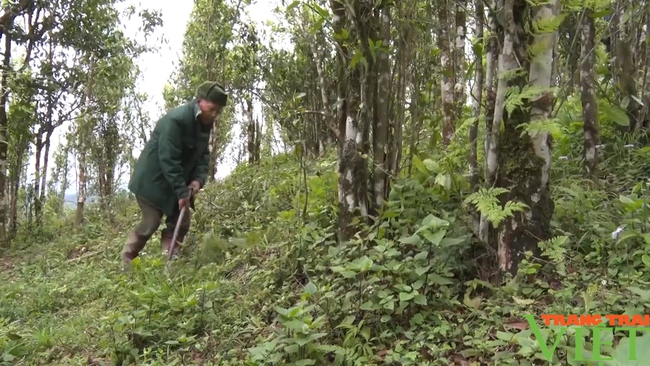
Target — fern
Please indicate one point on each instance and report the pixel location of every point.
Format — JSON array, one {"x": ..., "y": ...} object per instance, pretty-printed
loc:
[
  {"x": 513, "y": 99},
  {"x": 516, "y": 98},
  {"x": 537, "y": 49},
  {"x": 552, "y": 126},
  {"x": 555, "y": 250},
  {"x": 512, "y": 74},
  {"x": 548, "y": 25},
  {"x": 486, "y": 201}
]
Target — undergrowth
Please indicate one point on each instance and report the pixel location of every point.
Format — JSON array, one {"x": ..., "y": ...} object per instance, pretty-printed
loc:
[{"x": 263, "y": 280}]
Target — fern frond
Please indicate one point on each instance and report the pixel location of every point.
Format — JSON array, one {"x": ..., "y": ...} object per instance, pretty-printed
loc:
[
  {"x": 552, "y": 126},
  {"x": 555, "y": 250},
  {"x": 486, "y": 201}
]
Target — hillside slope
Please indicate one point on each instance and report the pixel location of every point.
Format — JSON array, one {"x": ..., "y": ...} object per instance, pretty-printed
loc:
[{"x": 260, "y": 284}]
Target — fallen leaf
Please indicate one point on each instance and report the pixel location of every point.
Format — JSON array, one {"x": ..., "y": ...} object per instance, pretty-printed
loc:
[
  {"x": 517, "y": 324},
  {"x": 570, "y": 269},
  {"x": 519, "y": 301},
  {"x": 474, "y": 303},
  {"x": 382, "y": 353},
  {"x": 460, "y": 360},
  {"x": 424, "y": 352}
]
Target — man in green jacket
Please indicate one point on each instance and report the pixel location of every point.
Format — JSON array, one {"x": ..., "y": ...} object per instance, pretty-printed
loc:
[{"x": 172, "y": 168}]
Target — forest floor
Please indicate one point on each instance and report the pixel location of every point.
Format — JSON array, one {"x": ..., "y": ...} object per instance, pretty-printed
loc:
[{"x": 258, "y": 285}]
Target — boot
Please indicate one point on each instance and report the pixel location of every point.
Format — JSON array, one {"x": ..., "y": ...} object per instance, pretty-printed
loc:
[{"x": 132, "y": 249}]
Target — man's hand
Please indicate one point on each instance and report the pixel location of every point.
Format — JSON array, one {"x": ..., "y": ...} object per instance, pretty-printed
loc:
[
  {"x": 183, "y": 202},
  {"x": 194, "y": 187}
]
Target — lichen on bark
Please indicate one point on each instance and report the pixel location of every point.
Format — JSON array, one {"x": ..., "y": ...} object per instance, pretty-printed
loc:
[
  {"x": 523, "y": 161},
  {"x": 520, "y": 170}
]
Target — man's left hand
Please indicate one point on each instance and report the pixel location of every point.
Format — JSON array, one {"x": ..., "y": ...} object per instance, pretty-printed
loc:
[{"x": 194, "y": 187}]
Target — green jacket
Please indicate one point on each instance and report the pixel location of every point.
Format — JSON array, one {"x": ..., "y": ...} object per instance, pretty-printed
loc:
[{"x": 175, "y": 155}]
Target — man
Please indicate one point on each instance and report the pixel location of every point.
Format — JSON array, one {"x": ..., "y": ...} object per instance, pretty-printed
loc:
[{"x": 172, "y": 168}]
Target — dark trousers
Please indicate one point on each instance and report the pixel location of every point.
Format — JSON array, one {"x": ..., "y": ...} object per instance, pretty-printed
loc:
[{"x": 150, "y": 220}]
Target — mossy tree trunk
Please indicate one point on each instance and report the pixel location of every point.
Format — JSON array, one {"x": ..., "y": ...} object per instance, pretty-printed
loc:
[
  {"x": 524, "y": 158},
  {"x": 588, "y": 95},
  {"x": 491, "y": 64},
  {"x": 477, "y": 94},
  {"x": 352, "y": 169}
]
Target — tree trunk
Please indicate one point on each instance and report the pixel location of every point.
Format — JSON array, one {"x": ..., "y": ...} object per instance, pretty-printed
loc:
[
  {"x": 416, "y": 121},
  {"x": 494, "y": 104},
  {"x": 15, "y": 180},
  {"x": 352, "y": 169},
  {"x": 645, "y": 85},
  {"x": 82, "y": 149},
  {"x": 476, "y": 106},
  {"x": 46, "y": 155},
  {"x": 448, "y": 82},
  {"x": 395, "y": 147},
  {"x": 37, "y": 176},
  {"x": 623, "y": 68},
  {"x": 460, "y": 96},
  {"x": 4, "y": 95},
  {"x": 252, "y": 132},
  {"x": 524, "y": 160},
  {"x": 588, "y": 95},
  {"x": 380, "y": 133}
]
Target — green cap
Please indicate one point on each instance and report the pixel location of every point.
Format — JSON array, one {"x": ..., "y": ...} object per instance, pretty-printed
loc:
[{"x": 213, "y": 92}]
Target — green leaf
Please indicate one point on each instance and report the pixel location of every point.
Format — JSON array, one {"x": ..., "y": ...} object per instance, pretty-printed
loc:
[
  {"x": 646, "y": 260},
  {"x": 626, "y": 200},
  {"x": 617, "y": 115},
  {"x": 420, "y": 299},
  {"x": 602, "y": 14},
  {"x": 310, "y": 288},
  {"x": 13, "y": 336},
  {"x": 389, "y": 305},
  {"x": 443, "y": 180},
  {"x": 322, "y": 12},
  {"x": 644, "y": 294},
  {"x": 390, "y": 214},
  {"x": 449, "y": 242},
  {"x": 419, "y": 165},
  {"x": 421, "y": 256},
  {"x": 293, "y": 5},
  {"x": 295, "y": 324},
  {"x": 431, "y": 165},
  {"x": 417, "y": 284},
  {"x": 417, "y": 319},
  {"x": 358, "y": 56},
  {"x": 315, "y": 336},
  {"x": 477, "y": 47},
  {"x": 281, "y": 311},
  {"x": 292, "y": 349},
  {"x": 435, "y": 238},
  {"x": 406, "y": 296},
  {"x": 347, "y": 321},
  {"x": 413, "y": 239},
  {"x": 623, "y": 351},
  {"x": 433, "y": 222},
  {"x": 439, "y": 280},
  {"x": 422, "y": 270}
]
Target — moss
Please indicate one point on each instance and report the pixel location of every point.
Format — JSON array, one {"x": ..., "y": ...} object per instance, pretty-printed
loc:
[{"x": 520, "y": 171}]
